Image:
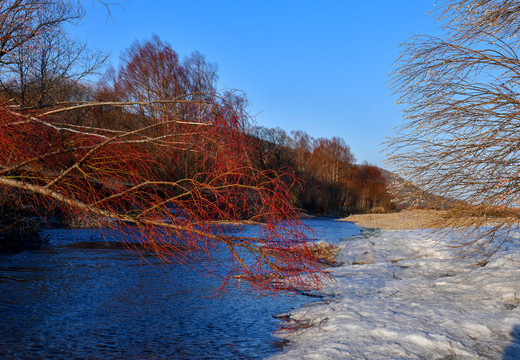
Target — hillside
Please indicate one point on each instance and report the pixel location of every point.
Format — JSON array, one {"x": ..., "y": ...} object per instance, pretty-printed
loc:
[{"x": 407, "y": 195}]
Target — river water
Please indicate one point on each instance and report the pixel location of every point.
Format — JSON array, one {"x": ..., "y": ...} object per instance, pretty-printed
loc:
[{"x": 64, "y": 302}]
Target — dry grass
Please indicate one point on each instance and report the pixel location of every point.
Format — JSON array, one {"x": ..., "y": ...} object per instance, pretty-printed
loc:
[
  {"x": 431, "y": 219},
  {"x": 325, "y": 252},
  {"x": 405, "y": 219}
]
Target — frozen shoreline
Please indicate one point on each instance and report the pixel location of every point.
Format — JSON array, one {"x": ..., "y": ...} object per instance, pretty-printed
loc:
[{"x": 403, "y": 295}]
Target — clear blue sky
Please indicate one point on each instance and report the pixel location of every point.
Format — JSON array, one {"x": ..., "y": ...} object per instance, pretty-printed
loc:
[{"x": 318, "y": 66}]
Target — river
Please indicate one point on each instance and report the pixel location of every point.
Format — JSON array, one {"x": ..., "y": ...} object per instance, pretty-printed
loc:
[{"x": 66, "y": 302}]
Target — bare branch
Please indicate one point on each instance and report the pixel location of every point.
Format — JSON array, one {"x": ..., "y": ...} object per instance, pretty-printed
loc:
[{"x": 460, "y": 98}]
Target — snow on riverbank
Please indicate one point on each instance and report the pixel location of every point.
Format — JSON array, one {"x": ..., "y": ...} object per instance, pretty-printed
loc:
[{"x": 402, "y": 295}]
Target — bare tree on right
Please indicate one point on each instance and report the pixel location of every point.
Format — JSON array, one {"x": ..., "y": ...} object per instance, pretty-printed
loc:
[{"x": 460, "y": 95}]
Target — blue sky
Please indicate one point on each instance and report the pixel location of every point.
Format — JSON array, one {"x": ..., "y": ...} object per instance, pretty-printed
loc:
[{"x": 318, "y": 66}]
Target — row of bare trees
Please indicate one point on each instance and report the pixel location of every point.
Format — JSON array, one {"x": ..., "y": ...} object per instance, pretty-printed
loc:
[{"x": 331, "y": 181}]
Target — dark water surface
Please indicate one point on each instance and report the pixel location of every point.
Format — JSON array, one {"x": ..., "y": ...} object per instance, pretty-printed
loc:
[{"x": 75, "y": 303}]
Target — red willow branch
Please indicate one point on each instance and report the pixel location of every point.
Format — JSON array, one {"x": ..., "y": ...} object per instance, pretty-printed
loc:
[{"x": 175, "y": 202}]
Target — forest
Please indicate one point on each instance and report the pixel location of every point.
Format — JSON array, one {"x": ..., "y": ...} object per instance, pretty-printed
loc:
[{"x": 331, "y": 183}]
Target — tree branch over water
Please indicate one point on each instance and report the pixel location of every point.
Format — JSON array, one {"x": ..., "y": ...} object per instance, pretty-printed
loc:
[
  {"x": 174, "y": 193},
  {"x": 152, "y": 152}
]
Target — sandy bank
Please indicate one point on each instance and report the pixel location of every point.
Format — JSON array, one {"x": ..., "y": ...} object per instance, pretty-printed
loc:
[{"x": 405, "y": 219}]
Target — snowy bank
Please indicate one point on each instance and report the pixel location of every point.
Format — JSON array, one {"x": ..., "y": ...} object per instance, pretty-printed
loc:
[{"x": 403, "y": 295}]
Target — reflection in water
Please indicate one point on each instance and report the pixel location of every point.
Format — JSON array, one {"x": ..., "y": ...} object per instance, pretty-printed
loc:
[{"x": 106, "y": 303}]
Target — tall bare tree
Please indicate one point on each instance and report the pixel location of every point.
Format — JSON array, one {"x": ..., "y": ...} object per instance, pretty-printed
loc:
[
  {"x": 23, "y": 20},
  {"x": 274, "y": 147},
  {"x": 44, "y": 67},
  {"x": 331, "y": 158},
  {"x": 152, "y": 70},
  {"x": 460, "y": 95}
]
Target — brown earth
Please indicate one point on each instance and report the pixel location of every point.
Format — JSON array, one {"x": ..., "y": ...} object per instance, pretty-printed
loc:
[
  {"x": 427, "y": 219},
  {"x": 404, "y": 219}
]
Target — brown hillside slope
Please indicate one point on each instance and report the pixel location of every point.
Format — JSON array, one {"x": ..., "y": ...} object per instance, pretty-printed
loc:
[{"x": 407, "y": 195}]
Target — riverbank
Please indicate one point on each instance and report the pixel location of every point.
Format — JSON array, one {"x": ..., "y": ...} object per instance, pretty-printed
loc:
[
  {"x": 405, "y": 294},
  {"x": 404, "y": 219},
  {"x": 410, "y": 219}
]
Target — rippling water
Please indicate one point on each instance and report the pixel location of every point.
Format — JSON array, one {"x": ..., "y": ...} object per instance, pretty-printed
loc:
[{"x": 72, "y": 303}]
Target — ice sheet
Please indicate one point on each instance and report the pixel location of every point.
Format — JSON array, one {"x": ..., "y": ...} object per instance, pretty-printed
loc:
[{"x": 406, "y": 295}]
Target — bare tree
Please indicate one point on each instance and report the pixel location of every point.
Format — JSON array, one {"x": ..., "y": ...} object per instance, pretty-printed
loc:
[
  {"x": 152, "y": 70},
  {"x": 274, "y": 147},
  {"x": 23, "y": 20},
  {"x": 49, "y": 71},
  {"x": 331, "y": 158},
  {"x": 202, "y": 75},
  {"x": 44, "y": 67},
  {"x": 302, "y": 145},
  {"x": 461, "y": 99}
]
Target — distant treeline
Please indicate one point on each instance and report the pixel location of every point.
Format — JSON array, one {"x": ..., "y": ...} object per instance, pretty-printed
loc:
[{"x": 330, "y": 182}]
